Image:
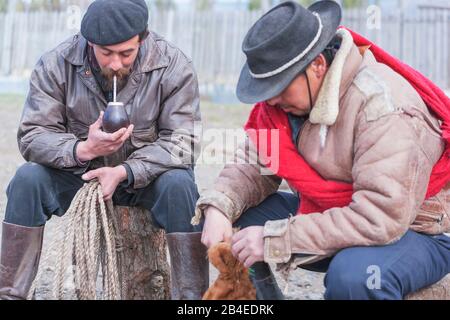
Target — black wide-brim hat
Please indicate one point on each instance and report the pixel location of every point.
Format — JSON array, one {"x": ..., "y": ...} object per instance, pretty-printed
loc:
[{"x": 281, "y": 45}]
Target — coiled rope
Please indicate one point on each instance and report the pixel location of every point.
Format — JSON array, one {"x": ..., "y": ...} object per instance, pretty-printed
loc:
[{"x": 90, "y": 240}]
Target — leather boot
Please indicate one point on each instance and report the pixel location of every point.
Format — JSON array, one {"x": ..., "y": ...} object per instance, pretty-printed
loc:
[
  {"x": 19, "y": 260},
  {"x": 264, "y": 282},
  {"x": 189, "y": 266}
]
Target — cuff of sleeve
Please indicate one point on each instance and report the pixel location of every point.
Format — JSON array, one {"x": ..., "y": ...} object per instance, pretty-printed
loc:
[
  {"x": 277, "y": 242},
  {"x": 130, "y": 177},
  {"x": 142, "y": 177},
  {"x": 216, "y": 199},
  {"x": 80, "y": 167},
  {"x": 79, "y": 163}
]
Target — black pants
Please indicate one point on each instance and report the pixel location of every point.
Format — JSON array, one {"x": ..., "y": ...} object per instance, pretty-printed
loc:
[{"x": 37, "y": 192}]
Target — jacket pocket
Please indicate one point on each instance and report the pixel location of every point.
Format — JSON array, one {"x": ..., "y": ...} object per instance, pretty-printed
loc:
[
  {"x": 433, "y": 216},
  {"x": 143, "y": 137}
]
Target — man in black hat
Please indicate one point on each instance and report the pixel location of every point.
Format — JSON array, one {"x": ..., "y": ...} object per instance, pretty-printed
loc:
[
  {"x": 357, "y": 145},
  {"x": 149, "y": 164}
]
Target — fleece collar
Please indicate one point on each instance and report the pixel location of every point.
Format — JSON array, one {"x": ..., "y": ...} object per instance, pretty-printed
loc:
[{"x": 337, "y": 80}]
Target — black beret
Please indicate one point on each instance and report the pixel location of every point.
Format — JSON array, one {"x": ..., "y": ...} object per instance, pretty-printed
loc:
[{"x": 109, "y": 22}]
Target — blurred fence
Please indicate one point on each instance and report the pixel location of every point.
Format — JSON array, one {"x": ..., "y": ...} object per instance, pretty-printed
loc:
[{"x": 213, "y": 39}]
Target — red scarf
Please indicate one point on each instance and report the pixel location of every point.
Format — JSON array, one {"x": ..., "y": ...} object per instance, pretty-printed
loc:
[{"x": 318, "y": 194}]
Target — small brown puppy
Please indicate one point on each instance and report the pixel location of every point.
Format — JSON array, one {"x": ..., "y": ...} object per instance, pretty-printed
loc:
[{"x": 233, "y": 282}]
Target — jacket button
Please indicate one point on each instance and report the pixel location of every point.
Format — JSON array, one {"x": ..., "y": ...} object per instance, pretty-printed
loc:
[
  {"x": 88, "y": 72},
  {"x": 276, "y": 253}
]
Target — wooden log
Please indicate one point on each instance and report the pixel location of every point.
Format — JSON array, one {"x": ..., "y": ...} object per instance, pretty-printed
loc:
[
  {"x": 438, "y": 291},
  {"x": 144, "y": 262}
]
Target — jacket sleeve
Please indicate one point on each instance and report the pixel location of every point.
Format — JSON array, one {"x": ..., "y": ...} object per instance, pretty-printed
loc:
[
  {"x": 179, "y": 127},
  {"x": 42, "y": 135},
  {"x": 241, "y": 185},
  {"x": 391, "y": 172}
]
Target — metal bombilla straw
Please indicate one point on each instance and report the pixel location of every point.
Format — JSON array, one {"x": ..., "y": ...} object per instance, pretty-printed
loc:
[{"x": 115, "y": 89}]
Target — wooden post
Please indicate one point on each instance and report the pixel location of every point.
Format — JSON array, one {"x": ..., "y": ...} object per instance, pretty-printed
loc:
[{"x": 145, "y": 266}]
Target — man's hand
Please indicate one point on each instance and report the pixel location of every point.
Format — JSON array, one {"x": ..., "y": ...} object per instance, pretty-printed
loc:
[
  {"x": 247, "y": 245},
  {"x": 109, "y": 179},
  {"x": 100, "y": 143},
  {"x": 217, "y": 227}
]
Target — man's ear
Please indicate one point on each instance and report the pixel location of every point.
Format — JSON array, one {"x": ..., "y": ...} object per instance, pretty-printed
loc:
[
  {"x": 319, "y": 66},
  {"x": 90, "y": 44}
]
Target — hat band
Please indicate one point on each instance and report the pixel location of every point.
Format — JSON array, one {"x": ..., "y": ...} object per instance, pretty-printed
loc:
[{"x": 296, "y": 59}]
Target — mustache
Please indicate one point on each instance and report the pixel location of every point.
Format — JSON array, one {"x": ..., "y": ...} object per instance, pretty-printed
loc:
[
  {"x": 109, "y": 73},
  {"x": 108, "y": 77}
]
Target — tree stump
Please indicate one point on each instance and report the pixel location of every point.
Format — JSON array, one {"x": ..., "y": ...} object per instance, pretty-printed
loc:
[
  {"x": 438, "y": 291},
  {"x": 145, "y": 267}
]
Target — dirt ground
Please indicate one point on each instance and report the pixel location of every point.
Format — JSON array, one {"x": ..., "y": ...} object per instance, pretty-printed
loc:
[{"x": 303, "y": 285}]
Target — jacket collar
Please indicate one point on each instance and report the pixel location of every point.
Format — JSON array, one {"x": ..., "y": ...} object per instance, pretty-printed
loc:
[
  {"x": 150, "y": 55},
  {"x": 337, "y": 81},
  {"x": 75, "y": 53}
]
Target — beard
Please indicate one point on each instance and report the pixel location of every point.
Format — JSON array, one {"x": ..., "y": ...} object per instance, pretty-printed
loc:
[{"x": 108, "y": 78}]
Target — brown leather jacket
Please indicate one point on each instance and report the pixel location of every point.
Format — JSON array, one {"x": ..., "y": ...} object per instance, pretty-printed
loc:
[
  {"x": 384, "y": 141},
  {"x": 161, "y": 98}
]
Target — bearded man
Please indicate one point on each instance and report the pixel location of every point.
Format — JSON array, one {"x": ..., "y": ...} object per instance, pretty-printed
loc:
[{"x": 149, "y": 164}]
